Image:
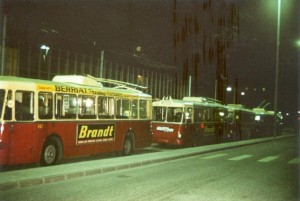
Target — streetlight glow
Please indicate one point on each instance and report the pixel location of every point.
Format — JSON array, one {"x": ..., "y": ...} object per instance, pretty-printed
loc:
[
  {"x": 229, "y": 89},
  {"x": 298, "y": 43}
]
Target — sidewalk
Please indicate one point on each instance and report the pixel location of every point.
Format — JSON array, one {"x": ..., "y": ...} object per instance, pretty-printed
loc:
[{"x": 43, "y": 175}]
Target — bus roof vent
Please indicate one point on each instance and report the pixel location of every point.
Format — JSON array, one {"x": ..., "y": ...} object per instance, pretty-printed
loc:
[{"x": 77, "y": 79}]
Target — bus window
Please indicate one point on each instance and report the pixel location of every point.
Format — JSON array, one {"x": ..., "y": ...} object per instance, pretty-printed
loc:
[
  {"x": 86, "y": 107},
  {"x": 45, "y": 105},
  {"x": 8, "y": 106},
  {"x": 159, "y": 113},
  {"x": 134, "y": 109},
  {"x": 24, "y": 105},
  {"x": 206, "y": 114},
  {"x": 174, "y": 114},
  {"x": 221, "y": 114},
  {"x": 230, "y": 117},
  {"x": 123, "y": 111},
  {"x": 144, "y": 113},
  {"x": 66, "y": 106},
  {"x": 106, "y": 107},
  {"x": 188, "y": 115}
]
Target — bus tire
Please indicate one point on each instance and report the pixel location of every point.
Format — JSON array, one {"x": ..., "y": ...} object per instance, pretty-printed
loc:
[
  {"x": 128, "y": 145},
  {"x": 52, "y": 152}
]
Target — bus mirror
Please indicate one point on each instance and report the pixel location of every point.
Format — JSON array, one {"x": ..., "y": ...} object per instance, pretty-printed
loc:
[{"x": 10, "y": 103}]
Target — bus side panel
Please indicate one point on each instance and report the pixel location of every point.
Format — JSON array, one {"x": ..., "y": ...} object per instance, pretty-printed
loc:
[
  {"x": 4, "y": 144},
  {"x": 189, "y": 135},
  {"x": 141, "y": 130},
  {"x": 22, "y": 143},
  {"x": 209, "y": 133},
  {"x": 166, "y": 133},
  {"x": 68, "y": 132}
]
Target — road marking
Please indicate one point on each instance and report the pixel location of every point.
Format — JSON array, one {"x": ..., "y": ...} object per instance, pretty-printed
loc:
[
  {"x": 240, "y": 157},
  {"x": 267, "y": 159},
  {"x": 294, "y": 161},
  {"x": 214, "y": 156}
]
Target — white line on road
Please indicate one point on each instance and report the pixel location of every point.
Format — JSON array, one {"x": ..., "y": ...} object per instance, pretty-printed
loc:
[
  {"x": 240, "y": 157},
  {"x": 214, "y": 156},
  {"x": 267, "y": 159}
]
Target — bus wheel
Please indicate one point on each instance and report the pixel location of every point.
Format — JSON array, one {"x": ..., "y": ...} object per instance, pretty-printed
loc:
[
  {"x": 52, "y": 152},
  {"x": 127, "y": 146}
]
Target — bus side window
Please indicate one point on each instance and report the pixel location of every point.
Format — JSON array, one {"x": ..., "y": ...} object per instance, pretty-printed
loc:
[
  {"x": 66, "y": 106},
  {"x": 205, "y": 115},
  {"x": 159, "y": 114},
  {"x": 45, "y": 105},
  {"x": 189, "y": 115},
  {"x": 197, "y": 115},
  {"x": 143, "y": 108},
  {"x": 8, "y": 108},
  {"x": 104, "y": 107},
  {"x": 24, "y": 103},
  {"x": 134, "y": 109},
  {"x": 123, "y": 110},
  {"x": 86, "y": 107}
]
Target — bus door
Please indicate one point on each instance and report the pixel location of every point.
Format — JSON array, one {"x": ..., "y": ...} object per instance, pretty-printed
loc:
[
  {"x": 208, "y": 127},
  {"x": 22, "y": 130},
  {"x": 191, "y": 131}
]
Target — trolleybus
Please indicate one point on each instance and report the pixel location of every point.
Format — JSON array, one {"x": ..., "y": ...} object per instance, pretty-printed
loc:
[
  {"x": 45, "y": 121},
  {"x": 191, "y": 121},
  {"x": 265, "y": 122},
  {"x": 241, "y": 123}
]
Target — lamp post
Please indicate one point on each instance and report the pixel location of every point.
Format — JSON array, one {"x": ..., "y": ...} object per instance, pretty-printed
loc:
[{"x": 277, "y": 68}]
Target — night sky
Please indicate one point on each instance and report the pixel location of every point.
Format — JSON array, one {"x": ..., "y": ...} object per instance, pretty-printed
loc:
[
  {"x": 254, "y": 57},
  {"x": 123, "y": 25}
]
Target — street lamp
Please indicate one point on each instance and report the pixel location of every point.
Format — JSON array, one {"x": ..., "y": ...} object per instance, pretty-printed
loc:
[
  {"x": 277, "y": 68},
  {"x": 45, "y": 50},
  {"x": 229, "y": 89}
]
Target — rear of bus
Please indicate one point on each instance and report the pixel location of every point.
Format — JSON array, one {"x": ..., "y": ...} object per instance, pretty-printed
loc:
[
  {"x": 17, "y": 144},
  {"x": 167, "y": 124}
]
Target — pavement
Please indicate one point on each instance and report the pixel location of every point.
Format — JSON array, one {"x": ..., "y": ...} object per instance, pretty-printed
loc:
[{"x": 17, "y": 179}]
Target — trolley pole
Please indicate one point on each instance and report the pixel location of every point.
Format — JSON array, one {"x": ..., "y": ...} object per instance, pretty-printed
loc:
[{"x": 101, "y": 64}]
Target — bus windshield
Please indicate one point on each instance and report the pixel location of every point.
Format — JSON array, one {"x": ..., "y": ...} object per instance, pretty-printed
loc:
[{"x": 168, "y": 114}]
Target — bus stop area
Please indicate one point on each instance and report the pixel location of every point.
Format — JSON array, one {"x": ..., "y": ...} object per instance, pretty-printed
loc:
[{"x": 42, "y": 175}]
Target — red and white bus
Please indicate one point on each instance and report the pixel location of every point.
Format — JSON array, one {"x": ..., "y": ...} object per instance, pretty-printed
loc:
[
  {"x": 46, "y": 121},
  {"x": 189, "y": 122}
]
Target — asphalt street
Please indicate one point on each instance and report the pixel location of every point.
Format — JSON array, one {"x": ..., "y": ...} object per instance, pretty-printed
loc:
[{"x": 265, "y": 170}]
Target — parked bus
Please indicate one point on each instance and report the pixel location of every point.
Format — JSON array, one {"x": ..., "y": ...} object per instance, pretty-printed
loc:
[
  {"x": 70, "y": 116},
  {"x": 191, "y": 121},
  {"x": 265, "y": 122},
  {"x": 241, "y": 123}
]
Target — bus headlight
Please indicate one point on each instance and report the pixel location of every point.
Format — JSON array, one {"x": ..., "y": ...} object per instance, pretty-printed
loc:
[{"x": 179, "y": 135}]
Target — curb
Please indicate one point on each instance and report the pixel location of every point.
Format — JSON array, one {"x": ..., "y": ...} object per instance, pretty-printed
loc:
[{"x": 103, "y": 170}]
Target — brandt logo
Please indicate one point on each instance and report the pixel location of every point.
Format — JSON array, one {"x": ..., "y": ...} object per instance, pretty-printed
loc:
[
  {"x": 165, "y": 129},
  {"x": 94, "y": 133}
]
